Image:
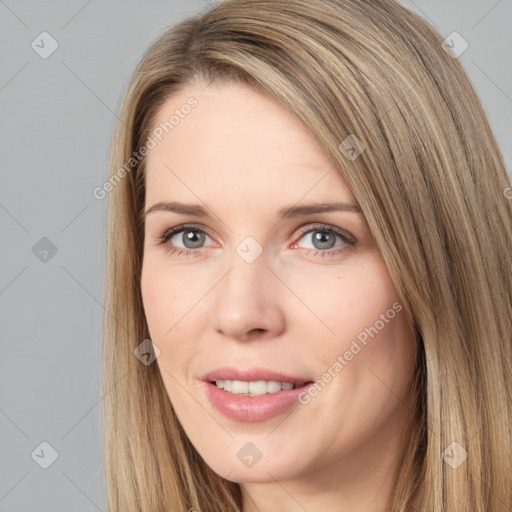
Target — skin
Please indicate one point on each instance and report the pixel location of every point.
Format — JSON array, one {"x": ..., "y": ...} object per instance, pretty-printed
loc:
[{"x": 294, "y": 309}]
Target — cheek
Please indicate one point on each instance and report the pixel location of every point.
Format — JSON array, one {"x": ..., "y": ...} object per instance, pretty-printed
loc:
[
  {"x": 345, "y": 302},
  {"x": 376, "y": 322},
  {"x": 380, "y": 354},
  {"x": 156, "y": 299},
  {"x": 167, "y": 297},
  {"x": 165, "y": 310},
  {"x": 364, "y": 324},
  {"x": 162, "y": 308}
]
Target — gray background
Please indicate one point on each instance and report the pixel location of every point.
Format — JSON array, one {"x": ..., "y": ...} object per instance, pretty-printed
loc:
[{"x": 57, "y": 119}]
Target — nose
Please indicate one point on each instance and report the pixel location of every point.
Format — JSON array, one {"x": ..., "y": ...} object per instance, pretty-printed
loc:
[{"x": 246, "y": 302}]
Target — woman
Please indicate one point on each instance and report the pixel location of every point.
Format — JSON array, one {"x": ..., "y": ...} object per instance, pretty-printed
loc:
[{"x": 267, "y": 147}]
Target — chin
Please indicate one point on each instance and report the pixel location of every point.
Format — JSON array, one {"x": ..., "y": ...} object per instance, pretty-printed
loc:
[{"x": 263, "y": 471}]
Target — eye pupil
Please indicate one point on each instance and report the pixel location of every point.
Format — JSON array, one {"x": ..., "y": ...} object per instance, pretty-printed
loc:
[
  {"x": 191, "y": 238},
  {"x": 195, "y": 237},
  {"x": 321, "y": 236}
]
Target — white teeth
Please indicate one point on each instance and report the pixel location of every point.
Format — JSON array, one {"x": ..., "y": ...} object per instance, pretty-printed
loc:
[
  {"x": 273, "y": 387},
  {"x": 240, "y": 387},
  {"x": 257, "y": 388}
]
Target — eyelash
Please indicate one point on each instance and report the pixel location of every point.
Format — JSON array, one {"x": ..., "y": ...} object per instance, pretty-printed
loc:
[{"x": 345, "y": 236}]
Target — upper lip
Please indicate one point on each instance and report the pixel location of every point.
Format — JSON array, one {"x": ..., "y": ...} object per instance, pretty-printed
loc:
[{"x": 252, "y": 375}]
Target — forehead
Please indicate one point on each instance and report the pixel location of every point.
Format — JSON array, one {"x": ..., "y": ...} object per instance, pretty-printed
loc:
[{"x": 236, "y": 145}]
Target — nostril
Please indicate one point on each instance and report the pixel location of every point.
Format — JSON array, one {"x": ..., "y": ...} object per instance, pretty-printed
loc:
[{"x": 256, "y": 331}]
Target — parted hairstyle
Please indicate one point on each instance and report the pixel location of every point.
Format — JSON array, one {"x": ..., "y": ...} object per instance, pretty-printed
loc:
[{"x": 432, "y": 185}]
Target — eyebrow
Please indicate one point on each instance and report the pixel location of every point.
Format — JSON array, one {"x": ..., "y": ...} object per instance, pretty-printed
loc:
[{"x": 288, "y": 212}]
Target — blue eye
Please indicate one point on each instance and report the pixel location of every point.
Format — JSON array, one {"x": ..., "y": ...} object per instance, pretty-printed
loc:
[
  {"x": 322, "y": 237},
  {"x": 194, "y": 237}
]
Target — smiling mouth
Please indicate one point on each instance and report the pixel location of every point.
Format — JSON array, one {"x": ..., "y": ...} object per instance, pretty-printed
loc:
[{"x": 255, "y": 388}]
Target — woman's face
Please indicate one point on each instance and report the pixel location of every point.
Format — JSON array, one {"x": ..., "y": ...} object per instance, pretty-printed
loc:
[{"x": 264, "y": 285}]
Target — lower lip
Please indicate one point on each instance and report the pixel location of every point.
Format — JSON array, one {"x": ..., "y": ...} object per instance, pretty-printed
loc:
[{"x": 258, "y": 408}]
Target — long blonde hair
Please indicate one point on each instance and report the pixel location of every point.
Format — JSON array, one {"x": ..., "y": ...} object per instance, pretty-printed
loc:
[{"x": 432, "y": 185}]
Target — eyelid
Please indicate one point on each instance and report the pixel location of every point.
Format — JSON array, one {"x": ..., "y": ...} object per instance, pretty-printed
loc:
[
  {"x": 170, "y": 232},
  {"x": 347, "y": 238},
  {"x": 310, "y": 226}
]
